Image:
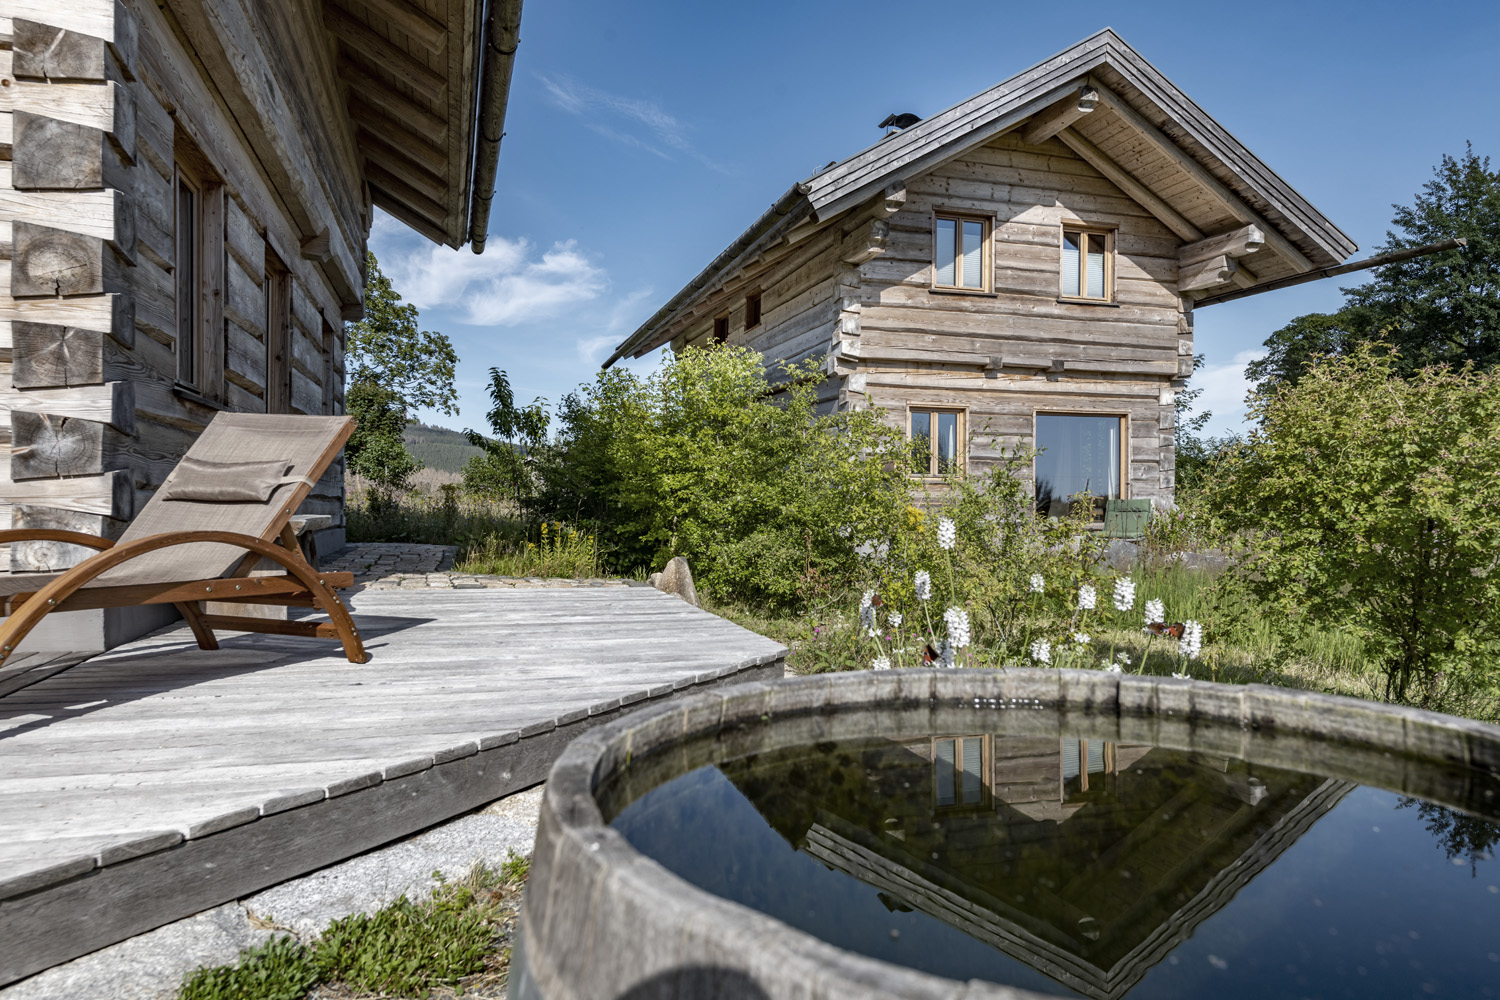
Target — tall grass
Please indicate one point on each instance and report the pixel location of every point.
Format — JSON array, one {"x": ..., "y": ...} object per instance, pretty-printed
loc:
[{"x": 556, "y": 551}]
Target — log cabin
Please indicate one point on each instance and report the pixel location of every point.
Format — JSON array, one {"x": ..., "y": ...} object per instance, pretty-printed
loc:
[
  {"x": 186, "y": 191},
  {"x": 1020, "y": 269}
]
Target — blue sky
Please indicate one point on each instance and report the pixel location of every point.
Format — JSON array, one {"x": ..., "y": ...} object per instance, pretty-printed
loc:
[{"x": 643, "y": 137}]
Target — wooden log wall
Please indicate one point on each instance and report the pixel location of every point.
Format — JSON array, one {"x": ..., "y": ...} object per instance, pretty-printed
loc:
[
  {"x": 100, "y": 100},
  {"x": 1007, "y": 355}
]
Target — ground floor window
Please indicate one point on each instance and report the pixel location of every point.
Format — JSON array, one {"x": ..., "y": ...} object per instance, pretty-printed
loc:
[
  {"x": 959, "y": 769},
  {"x": 937, "y": 442},
  {"x": 1076, "y": 454}
]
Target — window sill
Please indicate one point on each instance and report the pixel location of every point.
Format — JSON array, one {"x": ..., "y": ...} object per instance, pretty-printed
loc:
[
  {"x": 192, "y": 396},
  {"x": 977, "y": 293},
  {"x": 1076, "y": 301}
]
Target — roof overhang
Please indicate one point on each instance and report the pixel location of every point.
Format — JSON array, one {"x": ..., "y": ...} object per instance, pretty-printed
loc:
[
  {"x": 1140, "y": 131},
  {"x": 426, "y": 87}
]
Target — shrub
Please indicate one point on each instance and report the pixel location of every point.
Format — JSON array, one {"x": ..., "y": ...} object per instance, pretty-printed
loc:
[
  {"x": 1371, "y": 504},
  {"x": 704, "y": 458},
  {"x": 280, "y": 969},
  {"x": 405, "y": 947}
]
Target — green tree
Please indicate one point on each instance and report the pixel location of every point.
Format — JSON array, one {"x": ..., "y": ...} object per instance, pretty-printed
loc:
[
  {"x": 1370, "y": 496},
  {"x": 394, "y": 368},
  {"x": 506, "y": 469},
  {"x": 704, "y": 458},
  {"x": 1439, "y": 308}
]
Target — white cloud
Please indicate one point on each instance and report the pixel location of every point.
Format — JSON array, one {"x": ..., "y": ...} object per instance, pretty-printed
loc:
[
  {"x": 1224, "y": 387},
  {"x": 630, "y": 121},
  {"x": 623, "y": 317},
  {"x": 505, "y": 286}
]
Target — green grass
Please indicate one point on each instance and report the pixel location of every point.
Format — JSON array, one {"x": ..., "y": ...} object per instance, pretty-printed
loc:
[
  {"x": 404, "y": 949},
  {"x": 556, "y": 551},
  {"x": 439, "y": 447}
]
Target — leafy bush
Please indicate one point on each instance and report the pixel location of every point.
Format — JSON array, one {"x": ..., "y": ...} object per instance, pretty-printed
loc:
[
  {"x": 405, "y": 947},
  {"x": 280, "y": 969},
  {"x": 1370, "y": 501},
  {"x": 705, "y": 459}
]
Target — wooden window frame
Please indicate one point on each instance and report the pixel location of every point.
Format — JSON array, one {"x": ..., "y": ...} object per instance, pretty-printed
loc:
[
  {"x": 1124, "y": 419},
  {"x": 720, "y": 334},
  {"x": 329, "y": 396},
  {"x": 1086, "y": 229},
  {"x": 963, "y": 439},
  {"x": 987, "y": 244},
  {"x": 986, "y": 773},
  {"x": 753, "y": 304},
  {"x": 200, "y": 366},
  {"x": 278, "y": 299}
]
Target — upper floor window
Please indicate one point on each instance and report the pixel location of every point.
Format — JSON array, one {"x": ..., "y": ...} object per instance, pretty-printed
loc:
[
  {"x": 937, "y": 440},
  {"x": 752, "y": 310},
  {"x": 721, "y": 329},
  {"x": 1087, "y": 263},
  {"x": 961, "y": 252}
]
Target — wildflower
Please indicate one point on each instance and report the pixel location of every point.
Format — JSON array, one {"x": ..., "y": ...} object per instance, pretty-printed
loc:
[
  {"x": 1124, "y": 593},
  {"x": 1156, "y": 611},
  {"x": 947, "y": 533},
  {"x": 1191, "y": 642},
  {"x": 867, "y": 613},
  {"x": 957, "y": 620},
  {"x": 923, "y": 584},
  {"x": 881, "y": 663},
  {"x": 1182, "y": 676},
  {"x": 1041, "y": 651},
  {"x": 1081, "y": 638},
  {"x": 945, "y": 654},
  {"x": 896, "y": 619},
  {"x": 1087, "y": 597},
  {"x": 1114, "y": 668},
  {"x": 1037, "y": 583},
  {"x": 1123, "y": 658}
]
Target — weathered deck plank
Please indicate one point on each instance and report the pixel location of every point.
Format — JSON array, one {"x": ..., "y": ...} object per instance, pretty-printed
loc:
[{"x": 158, "y": 779}]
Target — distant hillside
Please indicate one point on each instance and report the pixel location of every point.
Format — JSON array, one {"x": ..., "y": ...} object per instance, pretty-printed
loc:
[{"x": 439, "y": 447}]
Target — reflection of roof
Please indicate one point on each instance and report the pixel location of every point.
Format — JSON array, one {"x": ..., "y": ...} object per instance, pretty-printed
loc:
[{"x": 1089, "y": 888}]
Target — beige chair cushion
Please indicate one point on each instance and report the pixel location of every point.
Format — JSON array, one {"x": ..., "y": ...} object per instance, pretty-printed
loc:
[{"x": 224, "y": 482}]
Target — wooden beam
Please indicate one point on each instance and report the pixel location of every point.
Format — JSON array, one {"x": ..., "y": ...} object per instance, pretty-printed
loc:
[
  {"x": 865, "y": 243},
  {"x": 112, "y": 403},
  {"x": 420, "y": 28},
  {"x": 415, "y": 147},
  {"x": 385, "y": 54},
  {"x": 419, "y": 178},
  {"x": 109, "y": 494},
  {"x": 431, "y": 127},
  {"x": 1215, "y": 188},
  {"x": 1064, "y": 113},
  {"x": 395, "y": 204},
  {"x": 1095, "y": 157},
  {"x": 1206, "y": 274},
  {"x": 1235, "y": 243}
]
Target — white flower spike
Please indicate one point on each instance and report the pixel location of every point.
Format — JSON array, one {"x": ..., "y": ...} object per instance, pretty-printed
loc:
[
  {"x": 923, "y": 585},
  {"x": 1081, "y": 638},
  {"x": 1183, "y": 677},
  {"x": 947, "y": 533},
  {"x": 895, "y": 619},
  {"x": 881, "y": 663},
  {"x": 957, "y": 620},
  {"x": 1037, "y": 583},
  {"x": 1087, "y": 597},
  {"x": 1156, "y": 611},
  {"x": 1191, "y": 643},
  {"x": 1114, "y": 668},
  {"x": 1124, "y": 593},
  {"x": 1041, "y": 651}
]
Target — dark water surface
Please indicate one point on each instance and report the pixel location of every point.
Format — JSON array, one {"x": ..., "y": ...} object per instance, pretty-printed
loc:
[{"x": 1091, "y": 868}]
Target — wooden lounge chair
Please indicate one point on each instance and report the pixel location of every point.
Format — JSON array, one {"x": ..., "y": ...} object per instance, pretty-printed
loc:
[{"x": 226, "y": 507}]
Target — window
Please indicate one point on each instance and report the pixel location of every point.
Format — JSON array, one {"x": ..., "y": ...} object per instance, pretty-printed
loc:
[
  {"x": 197, "y": 271},
  {"x": 721, "y": 329},
  {"x": 278, "y": 335},
  {"x": 937, "y": 440},
  {"x": 752, "y": 310},
  {"x": 961, "y": 254},
  {"x": 330, "y": 396},
  {"x": 1087, "y": 264},
  {"x": 958, "y": 769},
  {"x": 1076, "y": 454}
]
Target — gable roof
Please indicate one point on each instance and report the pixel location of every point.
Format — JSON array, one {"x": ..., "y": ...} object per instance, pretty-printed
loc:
[{"x": 1147, "y": 136}]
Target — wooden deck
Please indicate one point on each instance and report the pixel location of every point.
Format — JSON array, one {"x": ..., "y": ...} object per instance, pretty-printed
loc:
[{"x": 157, "y": 780}]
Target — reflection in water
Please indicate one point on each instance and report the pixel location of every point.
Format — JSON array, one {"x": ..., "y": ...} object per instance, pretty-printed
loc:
[{"x": 1080, "y": 866}]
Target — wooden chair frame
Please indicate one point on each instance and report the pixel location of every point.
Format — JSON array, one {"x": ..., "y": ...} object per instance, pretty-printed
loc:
[{"x": 302, "y": 586}]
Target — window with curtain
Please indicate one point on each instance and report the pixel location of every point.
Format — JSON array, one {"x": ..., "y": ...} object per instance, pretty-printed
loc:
[
  {"x": 958, "y": 771},
  {"x": 1076, "y": 454},
  {"x": 937, "y": 440},
  {"x": 1087, "y": 264},
  {"x": 960, "y": 253}
]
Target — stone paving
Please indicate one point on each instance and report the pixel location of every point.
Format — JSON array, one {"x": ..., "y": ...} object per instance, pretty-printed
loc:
[{"x": 406, "y": 566}]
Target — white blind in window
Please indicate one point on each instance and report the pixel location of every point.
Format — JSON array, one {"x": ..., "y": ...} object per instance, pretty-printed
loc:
[
  {"x": 973, "y": 254},
  {"x": 944, "y": 259},
  {"x": 1096, "y": 267},
  {"x": 973, "y": 769},
  {"x": 1070, "y": 264},
  {"x": 944, "y": 771}
]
